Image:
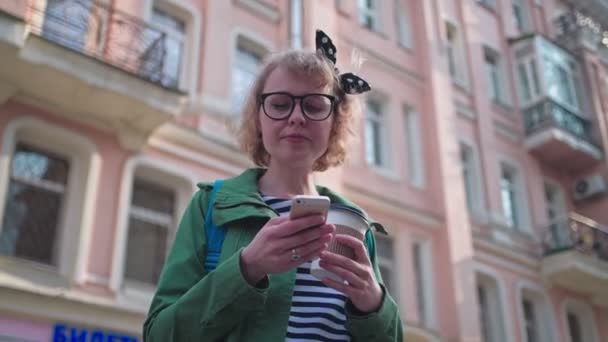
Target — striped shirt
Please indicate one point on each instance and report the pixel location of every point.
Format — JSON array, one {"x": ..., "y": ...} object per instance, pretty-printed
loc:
[{"x": 317, "y": 311}]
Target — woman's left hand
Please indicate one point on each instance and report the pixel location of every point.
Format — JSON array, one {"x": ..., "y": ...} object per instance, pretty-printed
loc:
[{"x": 360, "y": 284}]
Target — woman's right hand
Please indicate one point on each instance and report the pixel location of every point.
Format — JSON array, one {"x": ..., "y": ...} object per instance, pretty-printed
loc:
[{"x": 274, "y": 245}]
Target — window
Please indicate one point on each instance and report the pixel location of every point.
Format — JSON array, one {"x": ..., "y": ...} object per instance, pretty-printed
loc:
[
  {"x": 65, "y": 23},
  {"x": 386, "y": 260},
  {"x": 374, "y": 132},
  {"x": 574, "y": 328},
  {"x": 579, "y": 319},
  {"x": 530, "y": 321},
  {"x": 490, "y": 310},
  {"x": 369, "y": 14},
  {"x": 404, "y": 34},
  {"x": 471, "y": 178},
  {"x": 455, "y": 53},
  {"x": 244, "y": 70},
  {"x": 496, "y": 82},
  {"x": 151, "y": 223},
  {"x": 562, "y": 80},
  {"x": 174, "y": 45},
  {"x": 556, "y": 216},
  {"x": 34, "y": 201},
  {"x": 490, "y": 3},
  {"x": 484, "y": 310},
  {"x": 520, "y": 15},
  {"x": 529, "y": 86},
  {"x": 508, "y": 194},
  {"x": 295, "y": 23},
  {"x": 422, "y": 272},
  {"x": 415, "y": 162}
]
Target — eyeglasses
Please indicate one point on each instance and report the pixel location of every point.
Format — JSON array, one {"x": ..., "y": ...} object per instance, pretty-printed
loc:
[{"x": 280, "y": 105}]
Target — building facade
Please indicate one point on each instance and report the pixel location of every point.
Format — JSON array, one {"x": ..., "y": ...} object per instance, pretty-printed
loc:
[{"x": 482, "y": 148}]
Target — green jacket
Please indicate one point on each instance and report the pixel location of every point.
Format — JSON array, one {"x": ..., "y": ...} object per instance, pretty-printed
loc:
[{"x": 190, "y": 305}]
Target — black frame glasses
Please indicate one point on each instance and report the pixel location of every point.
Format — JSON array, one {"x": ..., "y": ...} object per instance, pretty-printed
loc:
[{"x": 302, "y": 99}]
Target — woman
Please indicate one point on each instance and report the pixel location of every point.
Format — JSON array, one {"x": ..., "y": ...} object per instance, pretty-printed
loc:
[{"x": 296, "y": 121}]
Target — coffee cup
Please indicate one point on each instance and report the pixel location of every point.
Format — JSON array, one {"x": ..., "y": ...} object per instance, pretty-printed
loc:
[{"x": 348, "y": 221}]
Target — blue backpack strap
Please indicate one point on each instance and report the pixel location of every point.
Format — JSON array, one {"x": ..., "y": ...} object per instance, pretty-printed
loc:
[{"x": 215, "y": 235}]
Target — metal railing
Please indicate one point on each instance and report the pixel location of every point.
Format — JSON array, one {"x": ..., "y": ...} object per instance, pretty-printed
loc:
[
  {"x": 548, "y": 114},
  {"x": 98, "y": 30},
  {"x": 579, "y": 233}
]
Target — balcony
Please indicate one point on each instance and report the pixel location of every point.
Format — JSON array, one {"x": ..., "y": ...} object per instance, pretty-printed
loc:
[
  {"x": 92, "y": 63},
  {"x": 596, "y": 9},
  {"x": 559, "y": 137},
  {"x": 576, "y": 30},
  {"x": 576, "y": 257}
]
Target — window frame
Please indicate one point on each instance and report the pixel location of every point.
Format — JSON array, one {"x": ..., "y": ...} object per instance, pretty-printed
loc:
[
  {"x": 403, "y": 24},
  {"x": 476, "y": 184},
  {"x": 414, "y": 145},
  {"x": 500, "y": 319},
  {"x": 495, "y": 77},
  {"x": 586, "y": 317},
  {"x": 373, "y": 13},
  {"x": 75, "y": 230},
  {"x": 191, "y": 59},
  {"x": 252, "y": 48},
  {"x": 380, "y": 120},
  {"x": 456, "y": 53},
  {"x": 157, "y": 171},
  {"x": 546, "y": 323},
  {"x": 522, "y": 223},
  {"x": 521, "y": 24},
  {"x": 425, "y": 299}
]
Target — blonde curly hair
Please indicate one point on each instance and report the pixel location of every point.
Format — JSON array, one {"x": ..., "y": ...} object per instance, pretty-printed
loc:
[{"x": 310, "y": 65}]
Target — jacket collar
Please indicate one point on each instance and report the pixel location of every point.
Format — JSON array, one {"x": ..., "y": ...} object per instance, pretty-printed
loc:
[{"x": 243, "y": 189}]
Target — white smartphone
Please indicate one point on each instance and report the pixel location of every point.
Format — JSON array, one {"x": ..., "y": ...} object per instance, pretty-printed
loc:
[{"x": 306, "y": 205}]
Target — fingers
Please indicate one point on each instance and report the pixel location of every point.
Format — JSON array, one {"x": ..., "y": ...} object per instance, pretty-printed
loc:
[
  {"x": 352, "y": 279},
  {"x": 357, "y": 245},
  {"x": 332, "y": 259},
  {"x": 323, "y": 233},
  {"x": 293, "y": 226}
]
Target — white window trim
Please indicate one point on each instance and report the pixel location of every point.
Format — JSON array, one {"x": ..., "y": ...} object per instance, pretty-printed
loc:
[
  {"x": 403, "y": 23},
  {"x": 296, "y": 27},
  {"x": 389, "y": 263},
  {"x": 548, "y": 327},
  {"x": 160, "y": 172},
  {"x": 386, "y": 168},
  {"x": 460, "y": 55},
  {"x": 521, "y": 201},
  {"x": 491, "y": 274},
  {"x": 430, "y": 319},
  {"x": 414, "y": 145},
  {"x": 75, "y": 230},
  {"x": 192, "y": 16},
  {"x": 562, "y": 196},
  {"x": 479, "y": 210},
  {"x": 375, "y": 13},
  {"x": 527, "y": 24},
  {"x": 584, "y": 311},
  {"x": 503, "y": 81}
]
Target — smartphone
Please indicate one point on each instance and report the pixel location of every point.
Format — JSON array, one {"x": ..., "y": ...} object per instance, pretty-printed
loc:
[{"x": 306, "y": 205}]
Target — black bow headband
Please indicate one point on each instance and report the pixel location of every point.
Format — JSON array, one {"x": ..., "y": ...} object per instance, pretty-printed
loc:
[{"x": 351, "y": 83}]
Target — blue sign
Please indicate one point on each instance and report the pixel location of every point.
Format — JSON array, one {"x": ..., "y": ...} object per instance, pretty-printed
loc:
[{"x": 64, "y": 333}]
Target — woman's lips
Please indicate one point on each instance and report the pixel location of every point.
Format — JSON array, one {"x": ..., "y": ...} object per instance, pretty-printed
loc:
[{"x": 295, "y": 138}]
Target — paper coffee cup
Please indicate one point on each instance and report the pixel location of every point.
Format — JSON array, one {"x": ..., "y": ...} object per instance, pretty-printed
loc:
[{"x": 348, "y": 221}]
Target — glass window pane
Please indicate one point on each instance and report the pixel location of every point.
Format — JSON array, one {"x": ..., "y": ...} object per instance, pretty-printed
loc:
[
  {"x": 146, "y": 251},
  {"x": 167, "y": 20},
  {"x": 524, "y": 82},
  {"x": 244, "y": 71},
  {"x": 421, "y": 294},
  {"x": 153, "y": 197},
  {"x": 35, "y": 164},
  {"x": 67, "y": 22},
  {"x": 574, "y": 328},
  {"x": 172, "y": 62},
  {"x": 30, "y": 223},
  {"x": 530, "y": 321}
]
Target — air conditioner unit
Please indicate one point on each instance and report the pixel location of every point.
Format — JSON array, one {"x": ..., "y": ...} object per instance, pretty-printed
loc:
[{"x": 589, "y": 186}]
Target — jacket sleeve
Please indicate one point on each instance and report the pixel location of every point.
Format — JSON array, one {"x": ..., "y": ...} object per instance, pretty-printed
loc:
[
  {"x": 384, "y": 324},
  {"x": 190, "y": 305}
]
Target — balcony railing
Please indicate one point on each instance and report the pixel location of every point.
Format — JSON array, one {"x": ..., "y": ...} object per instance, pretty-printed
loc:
[
  {"x": 549, "y": 114},
  {"x": 576, "y": 233},
  {"x": 575, "y": 30},
  {"x": 106, "y": 34}
]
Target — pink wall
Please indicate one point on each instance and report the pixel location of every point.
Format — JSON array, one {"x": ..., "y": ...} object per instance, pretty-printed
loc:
[{"x": 30, "y": 330}]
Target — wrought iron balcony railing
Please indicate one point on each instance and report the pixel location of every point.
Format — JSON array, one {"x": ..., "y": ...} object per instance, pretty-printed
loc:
[
  {"x": 578, "y": 233},
  {"x": 548, "y": 114},
  {"x": 98, "y": 30}
]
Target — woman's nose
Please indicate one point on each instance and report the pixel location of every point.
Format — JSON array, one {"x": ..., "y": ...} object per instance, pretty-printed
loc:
[{"x": 297, "y": 116}]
